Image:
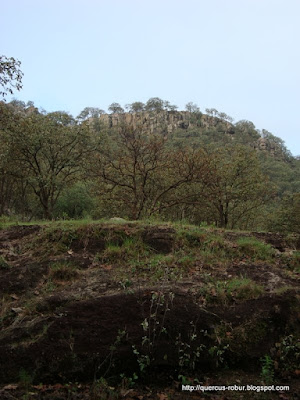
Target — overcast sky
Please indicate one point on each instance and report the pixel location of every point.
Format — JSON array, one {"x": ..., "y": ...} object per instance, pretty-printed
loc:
[{"x": 238, "y": 56}]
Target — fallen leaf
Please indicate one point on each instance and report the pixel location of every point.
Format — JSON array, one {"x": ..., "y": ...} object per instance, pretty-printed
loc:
[
  {"x": 297, "y": 372},
  {"x": 14, "y": 296},
  {"x": 11, "y": 387},
  {"x": 162, "y": 396},
  {"x": 17, "y": 310}
]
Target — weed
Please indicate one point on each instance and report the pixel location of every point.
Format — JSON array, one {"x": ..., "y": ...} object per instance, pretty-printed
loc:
[
  {"x": 130, "y": 250},
  {"x": 128, "y": 382},
  {"x": 25, "y": 379},
  {"x": 63, "y": 271},
  {"x": 50, "y": 286},
  {"x": 255, "y": 249},
  {"x": 294, "y": 261},
  {"x": 3, "y": 264},
  {"x": 187, "y": 261},
  {"x": 109, "y": 359},
  {"x": 218, "y": 354},
  {"x": 153, "y": 327},
  {"x": 100, "y": 389},
  {"x": 267, "y": 370},
  {"x": 231, "y": 290},
  {"x": 288, "y": 354},
  {"x": 185, "y": 380},
  {"x": 188, "y": 353}
]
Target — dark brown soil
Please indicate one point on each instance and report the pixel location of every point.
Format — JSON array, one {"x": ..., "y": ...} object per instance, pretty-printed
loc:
[{"x": 104, "y": 320}]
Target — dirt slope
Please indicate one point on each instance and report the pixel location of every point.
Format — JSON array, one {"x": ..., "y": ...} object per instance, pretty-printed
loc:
[{"x": 139, "y": 302}]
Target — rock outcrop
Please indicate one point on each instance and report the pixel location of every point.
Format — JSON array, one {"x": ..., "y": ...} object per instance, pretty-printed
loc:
[{"x": 166, "y": 122}]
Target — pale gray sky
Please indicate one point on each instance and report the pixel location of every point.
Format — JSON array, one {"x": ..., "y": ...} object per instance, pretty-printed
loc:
[{"x": 238, "y": 56}]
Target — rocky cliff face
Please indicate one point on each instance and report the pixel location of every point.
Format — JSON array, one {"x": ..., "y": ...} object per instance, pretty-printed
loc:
[{"x": 165, "y": 122}]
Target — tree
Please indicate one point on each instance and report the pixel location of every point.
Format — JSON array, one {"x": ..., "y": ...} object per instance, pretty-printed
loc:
[
  {"x": 137, "y": 106},
  {"x": 90, "y": 112},
  {"x": 277, "y": 144},
  {"x": 225, "y": 117},
  {"x": 10, "y": 75},
  {"x": 192, "y": 107},
  {"x": 47, "y": 152},
  {"x": 140, "y": 175},
  {"x": 115, "y": 108},
  {"x": 154, "y": 104},
  {"x": 235, "y": 186},
  {"x": 212, "y": 111},
  {"x": 287, "y": 219},
  {"x": 168, "y": 106}
]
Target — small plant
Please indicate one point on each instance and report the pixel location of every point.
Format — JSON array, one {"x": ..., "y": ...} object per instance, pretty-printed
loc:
[
  {"x": 255, "y": 249},
  {"x": 218, "y": 354},
  {"x": 126, "y": 284},
  {"x": 3, "y": 264},
  {"x": 288, "y": 354},
  {"x": 128, "y": 382},
  {"x": 63, "y": 271},
  {"x": 231, "y": 290},
  {"x": 128, "y": 250},
  {"x": 108, "y": 361},
  {"x": 294, "y": 262},
  {"x": 25, "y": 379},
  {"x": 153, "y": 327},
  {"x": 267, "y": 370},
  {"x": 50, "y": 286},
  {"x": 100, "y": 389},
  {"x": 188, "y": 352},
  {"x": 185, "y": 380}
]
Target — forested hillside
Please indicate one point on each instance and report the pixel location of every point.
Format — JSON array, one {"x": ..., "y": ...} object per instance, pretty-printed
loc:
[{"x": 151, "y": 161}]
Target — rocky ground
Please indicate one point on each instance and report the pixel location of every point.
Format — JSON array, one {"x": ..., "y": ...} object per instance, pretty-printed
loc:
[{"x": 135, "y": 310}]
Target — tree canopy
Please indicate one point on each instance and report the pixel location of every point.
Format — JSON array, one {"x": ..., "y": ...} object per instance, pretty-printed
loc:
[{"x": 10, "y": 75}]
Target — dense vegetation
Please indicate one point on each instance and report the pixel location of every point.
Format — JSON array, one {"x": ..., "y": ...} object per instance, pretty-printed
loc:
[
  {"x": 130, "y": 307},
  {"x": 53, "y": 165}
]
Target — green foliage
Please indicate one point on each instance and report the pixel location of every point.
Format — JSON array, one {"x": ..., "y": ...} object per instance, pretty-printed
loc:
[
  {"x": 63, "y": 271},
  {"x": 227, "y": 291},
  {"x": 75, "y": 202},
  {"x": 288, "y": 214},
  {"x": 189, "y": 352},
  {"x": 10, "y": 75},
  {"x": 115, "y": 108},
  {"x": 25, "y": 378},
  {"x": 255, "y": 249},
  {"x": 267, "y": 370},
  {"x": 288, "y": 354},
  {"x": 3, "y": 263},
  {"x": 130, "y": 249},
  {"x": 153, "y": 327},
  {"x": 45, "y": 151},
  {"x": 208, "y": 171}
]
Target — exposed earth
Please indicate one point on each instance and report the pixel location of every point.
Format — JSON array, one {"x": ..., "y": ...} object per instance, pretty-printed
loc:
[{"x": 134, "y": 310}]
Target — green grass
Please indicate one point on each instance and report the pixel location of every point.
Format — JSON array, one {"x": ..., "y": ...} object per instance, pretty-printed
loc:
[
  {"x": 63, "y": 271},
  {"x": 255, "y": 249},
  {"x": 3, "y": 264},
  {"x": 128, "y": 250},
  {"x": 228, "y": 291}
]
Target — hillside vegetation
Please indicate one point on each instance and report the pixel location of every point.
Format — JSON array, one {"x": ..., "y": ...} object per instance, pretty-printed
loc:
[
  {"x": 152, "y": 161},
  {"x": 145, "y": 250}
]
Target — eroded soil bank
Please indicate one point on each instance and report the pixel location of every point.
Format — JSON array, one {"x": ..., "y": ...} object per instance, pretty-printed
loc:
[{"x": 130, "y": 305}]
